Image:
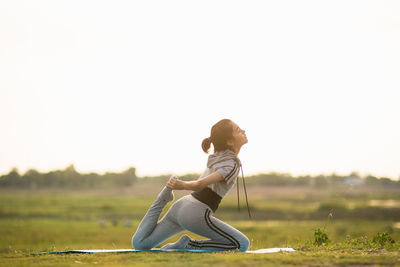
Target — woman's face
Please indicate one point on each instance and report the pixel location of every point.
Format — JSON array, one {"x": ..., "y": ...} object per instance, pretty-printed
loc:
[{"x": 239, "y": 137}]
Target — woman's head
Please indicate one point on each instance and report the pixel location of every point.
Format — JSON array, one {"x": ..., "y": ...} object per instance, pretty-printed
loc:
[{"x": 225, "y": 134}]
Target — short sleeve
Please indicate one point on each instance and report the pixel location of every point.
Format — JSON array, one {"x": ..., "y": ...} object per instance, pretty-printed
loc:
[{"x": 228, "y": 169}]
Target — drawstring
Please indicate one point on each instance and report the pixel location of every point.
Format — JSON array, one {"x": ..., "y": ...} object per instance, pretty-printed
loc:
[
  {"x": 245, "y": 192},
  {"x": 237, "y": 187}
]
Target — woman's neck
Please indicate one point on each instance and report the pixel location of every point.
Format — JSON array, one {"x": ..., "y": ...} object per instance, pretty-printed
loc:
[{"x": 236, "y": 150}]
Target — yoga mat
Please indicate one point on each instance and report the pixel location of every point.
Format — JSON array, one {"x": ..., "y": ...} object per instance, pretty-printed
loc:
[{"x": 259, "y": 251}]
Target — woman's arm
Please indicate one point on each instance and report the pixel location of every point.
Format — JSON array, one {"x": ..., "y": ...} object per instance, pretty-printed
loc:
[{"x": 194, "y": 185}]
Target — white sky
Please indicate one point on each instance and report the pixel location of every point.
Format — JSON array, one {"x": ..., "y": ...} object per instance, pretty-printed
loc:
[{"x": 106, "y": 85}]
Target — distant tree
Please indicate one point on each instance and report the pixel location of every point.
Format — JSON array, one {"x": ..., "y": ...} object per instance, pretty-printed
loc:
[
  {"x": 320, "y": 181},
  {"x": 33, "y": 178},
  {"x": 355, "y": 174},
  {"x": 12, "y": 178},
  {"x": 371, "y": 180},
  {"x": 303, "y": 180},
  {"x": 31, "y": 174},
  {"x": 14, "y": 173},
  {"x": 383, "y": 181},
  {"x": 336, "y": 179},
  {"x": 127, "y": 177}
]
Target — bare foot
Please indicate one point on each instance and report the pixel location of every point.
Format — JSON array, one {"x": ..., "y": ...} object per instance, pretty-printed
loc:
[{"x": 166, "y": 194}]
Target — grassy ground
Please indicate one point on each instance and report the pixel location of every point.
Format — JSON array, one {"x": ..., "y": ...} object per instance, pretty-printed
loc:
[{"x": 34, "y": 221}]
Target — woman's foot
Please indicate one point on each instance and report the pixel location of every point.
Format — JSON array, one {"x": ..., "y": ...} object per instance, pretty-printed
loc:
[
  {"x": 180, "y": 244},
  {"x": 166, "y": 194}
]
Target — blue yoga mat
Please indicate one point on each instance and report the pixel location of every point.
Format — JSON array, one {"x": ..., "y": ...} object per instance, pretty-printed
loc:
[{"x": 90, "y": 251}]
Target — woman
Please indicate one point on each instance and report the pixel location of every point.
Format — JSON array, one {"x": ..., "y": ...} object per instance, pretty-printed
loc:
[{"x": 194, "y": 212}]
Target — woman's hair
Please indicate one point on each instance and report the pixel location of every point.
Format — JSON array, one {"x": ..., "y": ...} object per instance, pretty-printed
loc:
[{"x": 221, "y": 133}]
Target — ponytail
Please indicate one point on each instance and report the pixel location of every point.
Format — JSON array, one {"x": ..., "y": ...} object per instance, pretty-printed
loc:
[
  {"x": 221, "y": 133},
  {"x": 206, "y": 144}
]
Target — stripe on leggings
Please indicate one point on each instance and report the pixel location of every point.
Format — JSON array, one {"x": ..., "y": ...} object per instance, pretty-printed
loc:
[
  {"x": 218, "y": 230},
  {"x": 233, "y": 240},
  {"x": 210, "y": 243},
  {"x": 211, "y": 246},
  {"x": 206, "y": 218}
]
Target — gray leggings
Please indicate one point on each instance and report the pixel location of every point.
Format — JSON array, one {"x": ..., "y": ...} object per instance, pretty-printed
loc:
[{"x": 187, "y": 213}]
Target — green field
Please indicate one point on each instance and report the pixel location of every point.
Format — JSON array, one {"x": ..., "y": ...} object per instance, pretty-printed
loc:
[{"x": 38, "y": 220}]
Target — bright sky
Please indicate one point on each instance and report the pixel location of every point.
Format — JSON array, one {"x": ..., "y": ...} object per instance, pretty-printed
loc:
[{"x": 106, "y": 85}]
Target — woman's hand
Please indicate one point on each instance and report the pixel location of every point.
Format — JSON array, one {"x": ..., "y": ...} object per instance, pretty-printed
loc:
[{"x": 176, "y": 184}]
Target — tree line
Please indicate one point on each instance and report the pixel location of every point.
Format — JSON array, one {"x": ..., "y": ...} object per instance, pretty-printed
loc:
[
  {"x": 70, "y": 178},
  {"x": 67, "y": 178}
]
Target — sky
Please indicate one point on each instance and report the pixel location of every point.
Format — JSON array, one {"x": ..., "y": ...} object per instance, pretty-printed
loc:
[{"x": 106, "y": 85}]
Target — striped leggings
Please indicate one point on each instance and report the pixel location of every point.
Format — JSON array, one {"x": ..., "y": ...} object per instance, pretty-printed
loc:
[{"x": 187, "y": 213}]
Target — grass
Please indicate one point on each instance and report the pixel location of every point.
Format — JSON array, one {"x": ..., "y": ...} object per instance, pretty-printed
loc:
[
  {"x": 315, "y": 258},
  {"x": 53, "y": 221}
]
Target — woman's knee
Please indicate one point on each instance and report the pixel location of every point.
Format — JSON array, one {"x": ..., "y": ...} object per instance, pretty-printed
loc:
[
  {"x": 138, "y": 244},
  {"x": 135, "y": 242},
  {"x": 244, "y": 243}
]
